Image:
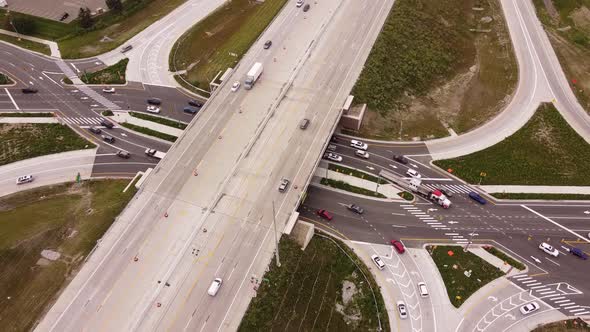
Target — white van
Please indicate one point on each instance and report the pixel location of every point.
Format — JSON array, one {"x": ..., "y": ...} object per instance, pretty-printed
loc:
[
  {"x": 422, "y": 289},
  {"x": 214, "y": 288}
]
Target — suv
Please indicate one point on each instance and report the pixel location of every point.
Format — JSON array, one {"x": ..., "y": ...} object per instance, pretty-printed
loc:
[
  {"x": 306, "y": 7},
  {"x": 333, "y": 157},
  {"x": 95, "y": 130},
  {"x": 29, "y": 90},
  {"x": 377, "y": 260},
  {"x": 195, "y": 103},
  {"x": 477, "y": 197},
  {"x": 548, "y": 249},
  {"x": 299, "y": 3},
  {"x": 214, "y": 288},
  {"x": 107, "y": 138},
  {"x": 355, "y": 208},
  {"x": 445, "y": 192},
  {"x": 324, "y": 214},
  {"x": 400, "y": 159},
  {"x": 24, "y": 179},
  {"x": 123, "y": 154},
  {"x": 413, "y": 173},
  {"x": 267, "y": 44},
  {"x": 358, "y": 144},
  {"x": 284, "y": 185},
  {"x": 401, "y": 307},
  {"x": 190, "y": 110},
  {"x": 304, "y": 123},
  {"x": 107, "y": 123},
  {"x": 578, "y": 252}
]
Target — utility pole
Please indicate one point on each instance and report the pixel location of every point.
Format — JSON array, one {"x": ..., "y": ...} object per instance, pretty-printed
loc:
[
  {"x": 378, "y": 181},
  {"x": 469, "y": 242},
  {"x": 274, "y": 221}
]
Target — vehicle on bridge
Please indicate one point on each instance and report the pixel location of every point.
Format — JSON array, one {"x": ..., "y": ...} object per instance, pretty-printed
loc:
[
  {"x": 253, "y": 75},
  {"x": 24, "y": 179},
  {"x": 214, "y": 288},
  {"x": 284, "y": 185},
  {"x": 155, "y": 153}
]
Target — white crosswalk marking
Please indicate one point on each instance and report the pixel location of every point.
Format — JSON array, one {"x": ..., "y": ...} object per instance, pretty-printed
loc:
[
  {"x": 452, "y": 188},
  {"x": 82, "y": 120}
]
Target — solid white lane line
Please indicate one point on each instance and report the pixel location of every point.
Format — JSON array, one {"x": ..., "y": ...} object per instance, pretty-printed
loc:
[
  {"x": 556, "y": 224},
  {"x": 561, "y": 301},
  {"x": 11, "y": 99}
]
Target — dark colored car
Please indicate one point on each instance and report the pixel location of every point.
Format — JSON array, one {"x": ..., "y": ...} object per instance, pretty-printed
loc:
[
  {"x": 400, "y": 159},
  {"x": 578, "y": 252},
  {"x": 29, "y": 90},
  {"x": 154, "y": 101},
  {"x": 123, "y": 154},
  {"x": 190, "y": 110},
  {"x": 64, "y": 16},
  {"x": 325, "y": 214},
  {"x": 267, "y": 44},
  {"x": 109, "y": 139},
  {"x": 306, "y": 7},
  {"x": 126, "y": 48},
  {"x": 446, "y": 192},
  {"x": 195, "y": 103},
  {"x": 95, "y": 130},
  {"x": 107, "y": 123},
  {"x": 398, "y": 246},
  {"x": 477, "y": 197},
  {"x": 355, "y": 208}
]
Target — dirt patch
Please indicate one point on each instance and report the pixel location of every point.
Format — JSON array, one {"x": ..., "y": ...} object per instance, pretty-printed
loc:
[{"x": 581, "y": 18}]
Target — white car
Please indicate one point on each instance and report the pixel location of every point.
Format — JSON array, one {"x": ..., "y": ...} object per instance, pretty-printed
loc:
[
  {"x": 359, "y": 145},
  {"x": 333, "y": 157},
  {"x": 215, "y": 285},
  {"x": 422, "y": 289},
  {"x": 362, "y": 154},
  {"x": 153, "y": 109},
  {"x": 108, "y": 90},
  {"x": 235, "y": 86},
  {"x": 299, "y": 3},
  {"x": 401, "y": 308},
  {"x": 24, "y": 179},
  {"x": 377, "y": 260},
  {"x": 548, "y": 249},
  {"x": 529, "y": 307},
  {"x": 413, "y": 173}
]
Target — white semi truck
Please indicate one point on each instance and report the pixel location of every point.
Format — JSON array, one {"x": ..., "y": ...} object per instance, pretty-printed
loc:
[
  {"x": 155, "y": 153},
  {"x": 253, "y": 75}
]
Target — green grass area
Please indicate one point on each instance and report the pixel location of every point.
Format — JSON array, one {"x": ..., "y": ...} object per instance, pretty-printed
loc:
[
  {"x": 436, "y": 63},
  {"x": 23, "y": 141},
  {"x": 149, "y": 132},
  {"x": 356, "y": 173},
  {"x": 570, "y": 325},
  {"x": 26, "y": 115},
  {"x": 546, "y": 151},
  {"x": 75, "y": 42},
  {"x": 453, "y": 267},
  {"x": 557, "y": 197},
  {"x": 27, "y": 44},
  {"x": 114, "y": 74},
  {"x": 67, "y": 80},
  {"x": 568, "y": 27},
  {"x": 350, "y": 188},
  {"x": 305, "y": 293},
  {"x": 67, "y": 218},
  {"x": 406, "y": 195},
  {"x": 5, "y": 80},
  {"x": 221, "y": 39},
  {"x": 160, "y": 120},
  {"x": 107, "y": 113},
  {"x": 509, "y": 260}
]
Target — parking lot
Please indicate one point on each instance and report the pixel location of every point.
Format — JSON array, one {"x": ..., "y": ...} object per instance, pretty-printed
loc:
[{"x": 54, "y": 9}]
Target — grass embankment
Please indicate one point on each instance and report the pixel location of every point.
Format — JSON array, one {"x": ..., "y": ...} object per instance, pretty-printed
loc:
[
  {"x": 306, "y": 292},
  {"x": 114, "y": 74},
  {"x": 356, "y": 173},
  {"x": 26, "y": 115},
  {"x": 427, "y": 70},
  {"x": 75, "y": 42},
  {"x": 23, "y": 141},
  {"x": 567, "y": 23},
  {"x": 453, "y": 267},
  {"x": 507, "y": 259},
  {"x": 149, "y": 132},
  {"x": 220, "y": 40},
  {"x": 160, "y": 120},
  {"x": 5, "y": 80},
  {"x": 350, "y": 188},
  {"x": 26, "y": 44},
  {"x": 570, "y": 325},
  {"x": 406, "y": 195},
  {"x": 546, "y": 151},
  {"x": 67, "y": 218},
  {"x": 557, "y": 197}
]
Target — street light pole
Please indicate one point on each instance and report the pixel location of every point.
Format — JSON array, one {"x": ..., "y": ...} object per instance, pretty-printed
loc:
[
  {"x": 469, "y": 242},
  {"x": 274, "y": 221}
]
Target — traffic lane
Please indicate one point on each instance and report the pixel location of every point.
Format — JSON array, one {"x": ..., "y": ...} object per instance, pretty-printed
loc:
[
  {"x": 86, "y": 65},
  {"x": 418, "y": 148},
  {"x": 128, "y": 141},
  {"x": 113, "y": 166}
]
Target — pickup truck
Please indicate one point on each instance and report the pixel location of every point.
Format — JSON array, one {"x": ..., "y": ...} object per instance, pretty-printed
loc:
[{"x": 155, "y": 153}]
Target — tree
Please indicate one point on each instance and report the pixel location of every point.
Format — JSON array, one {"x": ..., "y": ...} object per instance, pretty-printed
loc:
[
  {"x": 85, "y": 17},
  {"x": 114, "y": 5},
  {"x": 24, "y": 25}
]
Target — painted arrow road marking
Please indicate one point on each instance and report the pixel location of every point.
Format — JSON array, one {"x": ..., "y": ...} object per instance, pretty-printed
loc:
[
  {"x": 371, "y": 168},
  {"x": 492, "y": 298},
  {"x": 453, "y": 222},
  {"x": 393, "y": 166},
  {"x": 123, "y": 134}
]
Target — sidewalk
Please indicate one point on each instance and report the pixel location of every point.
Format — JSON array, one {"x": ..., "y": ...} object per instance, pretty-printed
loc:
[
  {"x": 495, "y": 261},
  {"x": 52, "y": 45},
  {"x": 28, "y": 120},
  {"x": 388, "y": 190},
  {"x": 537, "y": 189},
  {"x": 122, "y": 117}
]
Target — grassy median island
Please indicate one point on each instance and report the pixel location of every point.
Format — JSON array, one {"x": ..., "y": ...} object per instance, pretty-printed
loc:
[
  {"x": 5, "y": 80},
  {"x": 149, "y": 132},
  {"x": 26, "y": 44},
  {"x": 350, "y": 188},
  {"x": 557, "y": 197},
  {"x": 320, "y": 289},
  {"x": 452, "y": 263},
  {"x": 509, "y": 260},
  {"x": 356, "y": 173},
  {"x": 220, "y": 40},
  {"x": 26, "y": 115},
  {"x": 570, "y": 325},
  {"x": 66, "y": 218},
  {"x": 436, "y": 64},
  {"x": 114, "y": 74},
  {"x": 21, "y": 141},
  {"x": 160, "y": 120},
  {"x": 567, "y": 23},
  {"x": 109, "y": 31},
  {"x": 546, "y": 151}
]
